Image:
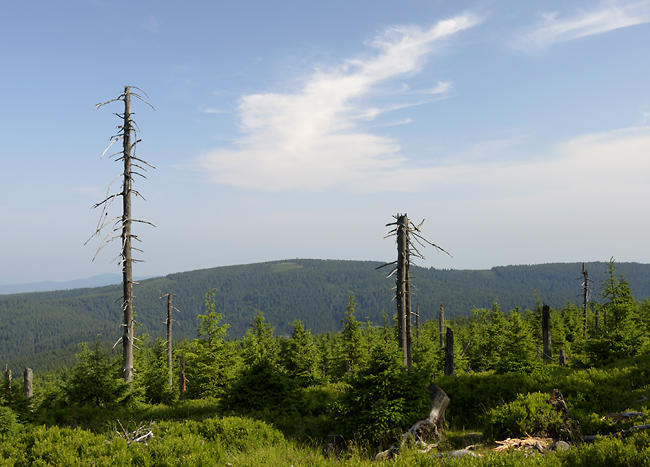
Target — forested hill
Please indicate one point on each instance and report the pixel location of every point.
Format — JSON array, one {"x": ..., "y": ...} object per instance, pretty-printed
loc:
[{"x": 314, "y": 291}]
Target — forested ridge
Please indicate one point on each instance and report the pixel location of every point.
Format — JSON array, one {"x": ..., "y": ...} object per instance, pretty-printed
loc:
[
  {"x": 313, "y": 291},
  {"x": 344, "y": 397}
]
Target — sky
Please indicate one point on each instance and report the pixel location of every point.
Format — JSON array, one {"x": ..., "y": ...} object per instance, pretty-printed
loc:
[{"x": 519, "y": 131}]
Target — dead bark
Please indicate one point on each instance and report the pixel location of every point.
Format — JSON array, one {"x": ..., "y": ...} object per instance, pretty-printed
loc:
[
  {"x": 402, "y": 276},
  {"x": 404, "y": 230},
  {"x": 169, "y": 322},
  {"x": 122, "y": 225},
  {"x": 439, "y": 403},
  {"x": 417, "y": 325},
  {"x": 585, "y": 300},
  {"x": 28, "y": 383},
  {"x": 182, "y": 381},
  {"x": 449, "y": 353}
]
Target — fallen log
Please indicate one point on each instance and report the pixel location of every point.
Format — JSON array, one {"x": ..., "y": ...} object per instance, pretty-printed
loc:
[
  {"x": 623, "y": 416},
  {"x": 619, "y": 434}
]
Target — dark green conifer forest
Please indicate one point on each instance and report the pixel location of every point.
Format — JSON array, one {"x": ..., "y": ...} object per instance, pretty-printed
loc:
[{"x": 272, "y": 389}]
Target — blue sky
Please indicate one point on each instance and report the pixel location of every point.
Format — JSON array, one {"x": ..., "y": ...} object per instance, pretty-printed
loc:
[{"x": 289, "y": 129}]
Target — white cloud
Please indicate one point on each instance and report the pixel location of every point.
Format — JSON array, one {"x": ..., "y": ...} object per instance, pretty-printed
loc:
[
  {"x": 309, "y": 139},
  {"x": 210, "y": 110},
  {"x": 606, "y": 16},
  {"x": 443, "y": 87},
  {"x": 606, "y": 167}
]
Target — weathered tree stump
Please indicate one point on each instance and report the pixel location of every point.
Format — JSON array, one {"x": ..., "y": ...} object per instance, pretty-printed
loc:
[
  {"x": 439, "y": 403},
  {"x": 28, "y": 383}
]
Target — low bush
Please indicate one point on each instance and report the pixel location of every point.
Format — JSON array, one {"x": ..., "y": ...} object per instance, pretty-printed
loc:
[
  {"x": 383, "y": 398},
  {"x": 239, "y": 434},
  {"x": 529, "y": 414}
]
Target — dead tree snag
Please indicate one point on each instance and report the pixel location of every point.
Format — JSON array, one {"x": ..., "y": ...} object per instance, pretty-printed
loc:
[
  {"x": 169, "y": 322},
  {"x": 585, "y": 300},
  {"x": 120, "y": 226},
  {"x": 405, "y": 231}
]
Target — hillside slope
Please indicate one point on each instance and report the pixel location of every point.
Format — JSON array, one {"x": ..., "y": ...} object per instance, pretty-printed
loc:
[{"x": 314, "y": 291}]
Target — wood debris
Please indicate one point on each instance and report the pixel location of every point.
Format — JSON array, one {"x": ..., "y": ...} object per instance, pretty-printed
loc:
[
  {"x": 530, "y": 444},
  {"x": 557, "y": 401},
  {"x": 141, "y": 434}
]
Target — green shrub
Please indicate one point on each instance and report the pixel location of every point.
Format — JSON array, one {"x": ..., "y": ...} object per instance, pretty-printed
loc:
[
  {"x": 384, "y": 397},
  {"x": 263, "y": 385},
  {"x": 239, "y": 434},
  {"x": 529, "y": 414}
]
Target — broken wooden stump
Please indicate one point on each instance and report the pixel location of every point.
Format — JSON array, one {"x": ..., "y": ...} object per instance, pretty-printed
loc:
[
  {"x": 558, "y": 403},
  {"x": 439, "y": 403}
]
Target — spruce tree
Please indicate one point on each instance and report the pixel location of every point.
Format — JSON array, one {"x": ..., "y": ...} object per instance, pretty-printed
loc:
[
  {"x": 352, "y": 350},
  {"x": 300, "y": 356},
  {"x": 212, "y": 364},
  {"x": 623, "y": 334}
]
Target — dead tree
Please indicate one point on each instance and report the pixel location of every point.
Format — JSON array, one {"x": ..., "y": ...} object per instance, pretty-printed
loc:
[
  {"x": 169, "y": 322},
  {"x": 28, "y": 383},
  {"x": 120, "y": 227},
  {"x": 417, "y": 325},
  {"x": 449, "y": 353},
  {"x": 585, "y": 300},
  {"x": 405, "y": 231},
  {"x": 182, "y": 380}
]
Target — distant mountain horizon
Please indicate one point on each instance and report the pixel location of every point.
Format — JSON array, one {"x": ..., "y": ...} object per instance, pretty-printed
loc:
[
  {"x": 315, "y": 292},
  {"x": 102, "y": 280}
]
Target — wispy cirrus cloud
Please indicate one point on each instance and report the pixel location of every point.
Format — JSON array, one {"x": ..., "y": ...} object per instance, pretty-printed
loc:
[
  {"x": 311, "y": 139},
  {"x": 603, "y": 17}
]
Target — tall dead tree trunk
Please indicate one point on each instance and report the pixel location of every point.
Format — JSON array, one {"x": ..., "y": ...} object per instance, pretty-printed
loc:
[
  {"x": 402, "y": 277},
  {"x": 409, "y": 316},
  {"x": 449, "y": 353},
  {"x": 417, "y": 325},
  {"x": 127, "y": 254},
  {"x": 403, "y": 231},
  {"x": 585, "y": 300},
  {"x": 123, "y": 224},
  {"x": 169, "y": 322}
]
